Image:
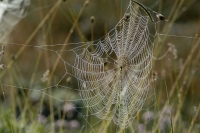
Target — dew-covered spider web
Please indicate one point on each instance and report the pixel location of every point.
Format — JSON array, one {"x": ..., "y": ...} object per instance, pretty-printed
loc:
[
  {"x": 109, "y": 82},
  {"x": 113, "y": 73}
]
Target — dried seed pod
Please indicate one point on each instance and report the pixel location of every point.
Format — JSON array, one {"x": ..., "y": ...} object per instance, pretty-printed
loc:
[
  {"x": 92, "y": 19},
  {"x": 127, "y": 16},
  {"x": 86, "y": 3},
  {"x": 2, "y": 66},
  {"x": 1, "y": 53},
  {"x": 161, "y": 17},
  {"x": 3, "y": 47},
  {"x": 154, "y": 76}
]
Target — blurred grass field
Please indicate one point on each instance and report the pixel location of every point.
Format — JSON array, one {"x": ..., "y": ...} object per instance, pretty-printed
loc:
[{"x": 176, "y": 76}]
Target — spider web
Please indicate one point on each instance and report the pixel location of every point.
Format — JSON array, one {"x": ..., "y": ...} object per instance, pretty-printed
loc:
[
  {"x": 113, "y": 73},
  {"x": 119, "y": 93}
]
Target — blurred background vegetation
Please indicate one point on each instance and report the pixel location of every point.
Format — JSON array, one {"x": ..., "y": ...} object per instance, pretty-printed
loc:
[{"x": 49, "y": 22}]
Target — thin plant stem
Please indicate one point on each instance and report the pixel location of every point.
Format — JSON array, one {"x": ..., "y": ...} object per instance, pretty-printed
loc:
[
  {"x": 32, "y": 35},
  {"x": 194, "y": 119},
  {"x": 194, "y": 48}
]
